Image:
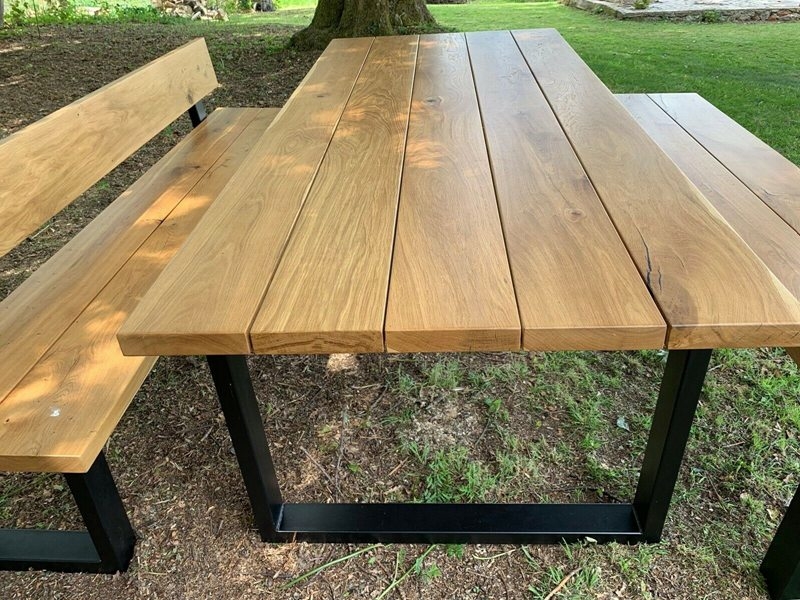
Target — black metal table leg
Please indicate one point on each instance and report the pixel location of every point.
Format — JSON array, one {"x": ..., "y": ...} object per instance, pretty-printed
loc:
[
  {"x": 465, "y": 523},
  {"x": 105, "y": 547},
  {"x": 235, "y": 389},
  {"x": 669, "y": 433},
  {"x": 781, "y": 565}
]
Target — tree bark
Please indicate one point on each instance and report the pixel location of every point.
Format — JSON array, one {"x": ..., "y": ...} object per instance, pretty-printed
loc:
[{"x": 357, "y": 18}]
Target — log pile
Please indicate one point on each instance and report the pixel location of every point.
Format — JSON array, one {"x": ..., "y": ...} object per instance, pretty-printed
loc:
[{"x": 190, "y": 9}]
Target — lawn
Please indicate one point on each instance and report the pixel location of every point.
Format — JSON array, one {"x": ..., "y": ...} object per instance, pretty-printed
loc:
[{"x": 484, "y": 427}]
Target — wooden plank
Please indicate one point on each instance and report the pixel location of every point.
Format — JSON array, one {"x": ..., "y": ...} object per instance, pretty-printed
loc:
[
  {"x": 51, "y": 162},
  {"x": 64, "y": 410},
  {"x": 35, "y": 315},
  {"x": 208, "y": 296},
  {"x": 689, "y": 256},
  {"x": 771, "y": 238},
  {"x": 773, "y": 178},
  {"x": 794, "y": 353},
  {"x": 329, "y": 291},
  {"x": 577, "y": 288},
  {"x": 450, "y": 286}
]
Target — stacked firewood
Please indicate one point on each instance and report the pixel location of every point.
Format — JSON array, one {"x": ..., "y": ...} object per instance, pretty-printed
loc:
[{"x": 191, "y": 9}]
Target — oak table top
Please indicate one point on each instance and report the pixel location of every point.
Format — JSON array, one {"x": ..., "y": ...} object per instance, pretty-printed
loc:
[{"x": 458, "y": 192}]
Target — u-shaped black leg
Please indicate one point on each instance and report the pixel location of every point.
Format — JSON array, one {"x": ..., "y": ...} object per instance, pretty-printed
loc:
[
  {"x": 781, "y": 565},
  {"x": 105, "y": 547}
]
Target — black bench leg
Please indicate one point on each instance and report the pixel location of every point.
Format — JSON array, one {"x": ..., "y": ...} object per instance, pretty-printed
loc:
[
  {"x": 238, "y": 401},
  {"x": 669, "y": 433},
  {"x": 105, "y": 547},
  {"x": 781, "y": 565},
  {"x": 104, "y": 515}
]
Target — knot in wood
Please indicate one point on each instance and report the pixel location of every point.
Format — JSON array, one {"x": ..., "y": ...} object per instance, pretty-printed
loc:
[{"x": 574, "y": 214}]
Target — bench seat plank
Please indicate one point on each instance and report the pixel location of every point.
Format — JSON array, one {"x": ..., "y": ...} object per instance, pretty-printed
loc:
[
  {"x": 577, "y": 287},
  {"x": 329, "y": 291},
  {"x": 451, "y": 285},
  {"x": 772, "y": 177},
  {"x": 690, "y": 280},
  {"x": 37, "y": 313},
  {"x": 769, "y": 236},
  {"x": 63, "y": 411},
  {"x": 32, "y": 164},
  {"x": 261, "y": 205}
]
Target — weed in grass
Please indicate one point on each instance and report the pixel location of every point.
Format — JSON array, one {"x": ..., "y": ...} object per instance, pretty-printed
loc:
[
  {"x": 578, "y": 584},
  {"x": 406, "y": 385},
  {"x": 604, "y": 474},
  {"x": 444, "y": 375},
  {"x": 508, "y": 373},
  {"x": 419, "y": 453},
  {"x": 495, "y": 410},
  {"x": 455, "y": 550},
  {"x": 635, "y": 562},
  {"x": 328, "y": 565},
  {"x": 418, "y": 568},
  {"x": 403, "y": 417},
  {"x": 452, "y": 477},
  {"x": 430, "y": 572}
]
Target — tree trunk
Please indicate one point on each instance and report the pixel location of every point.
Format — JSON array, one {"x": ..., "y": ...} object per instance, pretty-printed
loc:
[{"x": 357, "y": 18}]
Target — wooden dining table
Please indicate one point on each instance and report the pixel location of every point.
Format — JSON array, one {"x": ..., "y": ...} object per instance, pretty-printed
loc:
[{"x": 458, "y": 193}]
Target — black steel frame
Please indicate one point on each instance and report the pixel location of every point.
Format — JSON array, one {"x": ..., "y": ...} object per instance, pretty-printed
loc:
[
  {"x": 197, "y": 113},
  {"x": 781, "y": 565},
  {"x": 105, "y": 547},
  {"x": 640, "y": 521}
]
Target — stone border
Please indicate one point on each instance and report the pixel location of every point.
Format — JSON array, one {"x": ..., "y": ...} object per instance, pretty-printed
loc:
[{"x": 698, "y": 14}]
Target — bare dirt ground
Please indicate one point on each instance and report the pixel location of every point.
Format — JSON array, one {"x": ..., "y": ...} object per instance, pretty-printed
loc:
[{"x": 503, "y": 427}]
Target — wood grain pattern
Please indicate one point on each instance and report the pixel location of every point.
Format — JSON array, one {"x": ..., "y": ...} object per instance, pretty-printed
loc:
[
  {"x": 689, "y": 256},
  {"x": 771, "y": 238},
  {"x": 64, "y": 410},
  {"x": 450, "y": 286},
  {"x": 206, "y": 299},
  {"x": 35, "y": 315},
  {"x": 577, "y": 288},
  {"x": 329, "y": 291},
  {"x": 773, "y": 178},
  {"x": 48, "y": 164}
]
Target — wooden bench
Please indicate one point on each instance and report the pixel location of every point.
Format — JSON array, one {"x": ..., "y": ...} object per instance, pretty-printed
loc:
[
  {"x": 64, "y": 384},
  {"x": 736, "y": 171}
]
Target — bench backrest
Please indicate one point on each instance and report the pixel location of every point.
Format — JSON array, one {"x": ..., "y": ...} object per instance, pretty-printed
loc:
[{"x": 48, "y": 164}]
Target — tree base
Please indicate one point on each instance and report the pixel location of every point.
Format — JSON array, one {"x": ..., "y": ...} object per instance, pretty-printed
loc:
[
  {"x": 363, "y": 18},
  {"x": 312, "y": 38}
]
